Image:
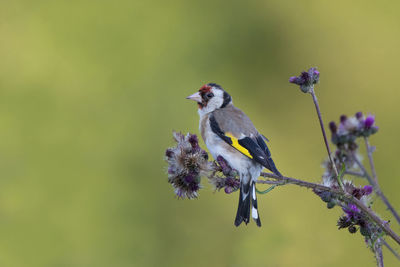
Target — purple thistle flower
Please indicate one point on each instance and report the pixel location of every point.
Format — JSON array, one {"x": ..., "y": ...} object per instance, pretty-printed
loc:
[
  {"x": 295, "y": 80},
  {"x": 226, "y": 169},
  {"x": 232, "y": 182},
  {"x": 193, "y": 140},
  {"x": 306, "y": 79},
  {"x": 228, "y": 181},
  {"x": 369, "y": 121},
  {"x": 231, "y": 185},
  {"x": 351, "y": 210},
  {"x": 367, "y": 190},
  {"x": 357, "y": 192},
  {"x": 350, "y": 128},
  {"x": 343, "y": 118},
  {"x": 188, "y": 178},
  {"x": 354, "y": 208},
  {"x": 194, "y": 187}
]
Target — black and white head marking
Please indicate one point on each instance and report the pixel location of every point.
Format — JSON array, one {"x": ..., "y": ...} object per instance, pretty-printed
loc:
[{"x": 213, "y": 97}]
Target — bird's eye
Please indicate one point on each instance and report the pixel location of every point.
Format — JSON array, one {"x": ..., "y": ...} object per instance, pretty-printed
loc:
[{"x": 209, "y": 95}]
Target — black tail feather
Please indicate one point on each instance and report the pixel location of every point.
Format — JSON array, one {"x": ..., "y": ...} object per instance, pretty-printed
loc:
[
  {"x": 254, "y": 209},
  {"x": 243, "y": 212},
  {"x": 247, "y": 201}
]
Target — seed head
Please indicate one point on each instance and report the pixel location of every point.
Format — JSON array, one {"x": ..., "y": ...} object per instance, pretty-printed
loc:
[{"x": 187, "y": 162}]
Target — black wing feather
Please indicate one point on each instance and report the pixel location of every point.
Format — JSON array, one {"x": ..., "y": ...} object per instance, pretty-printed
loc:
[
  {"x": 260, "y": 152},
  {"x": 217, "y": 130},
  {"x": 257, "y": 148},
  {"x": 269, "y": 160}
]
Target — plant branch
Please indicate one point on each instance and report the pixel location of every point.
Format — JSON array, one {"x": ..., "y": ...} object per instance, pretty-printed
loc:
[
  {"x": 314, "y": 97},
  {"x": 378, "y": 253},
  {"x": 390, "y": 249},
  {"x": 377, "y": 189},
  {"x": 269, "y": 182},
  {"x": 364, "y": 171},
  {"x": 388, "y": 205},
  {"x": 382, "y": 224}
]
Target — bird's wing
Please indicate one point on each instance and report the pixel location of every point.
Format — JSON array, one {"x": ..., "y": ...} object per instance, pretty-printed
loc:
[{"x": 252, "y": 146}]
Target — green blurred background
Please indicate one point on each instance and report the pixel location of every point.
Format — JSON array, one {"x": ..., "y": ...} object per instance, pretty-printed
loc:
[{"x": 90, "y": 92}]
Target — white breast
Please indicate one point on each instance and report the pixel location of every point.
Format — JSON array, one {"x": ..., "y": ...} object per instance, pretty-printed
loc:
[{"x": 219, "y": 147}]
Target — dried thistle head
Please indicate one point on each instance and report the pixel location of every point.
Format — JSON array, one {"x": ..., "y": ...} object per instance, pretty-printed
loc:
[{"x": 187, "y": 162}]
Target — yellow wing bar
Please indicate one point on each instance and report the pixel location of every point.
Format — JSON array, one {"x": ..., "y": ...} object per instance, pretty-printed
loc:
[{"x": 235, "y": 144}]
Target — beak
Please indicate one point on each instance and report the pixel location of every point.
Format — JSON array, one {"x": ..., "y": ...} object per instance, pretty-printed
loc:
[{"x": 196, "y": 97}]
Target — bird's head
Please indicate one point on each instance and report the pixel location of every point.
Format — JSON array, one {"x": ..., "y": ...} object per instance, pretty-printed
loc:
[{"x": 210, "y": 97}]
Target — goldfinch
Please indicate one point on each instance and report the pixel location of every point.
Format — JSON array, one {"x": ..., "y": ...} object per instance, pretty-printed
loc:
[{"x": 229, "y": 133}]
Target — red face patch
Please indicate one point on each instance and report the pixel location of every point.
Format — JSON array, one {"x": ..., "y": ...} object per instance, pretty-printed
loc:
[{"x": 205, "y": 89}]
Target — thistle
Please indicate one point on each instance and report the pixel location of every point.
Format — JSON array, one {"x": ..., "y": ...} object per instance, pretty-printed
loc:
[{"x": 187, "y": 162}]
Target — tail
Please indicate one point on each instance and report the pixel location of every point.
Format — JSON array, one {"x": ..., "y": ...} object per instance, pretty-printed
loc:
[
  {"x": 247, "y": 196},
  {"x": 254, "y": 208}
]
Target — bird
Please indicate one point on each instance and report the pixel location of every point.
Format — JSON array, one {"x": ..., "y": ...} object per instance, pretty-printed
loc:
[{"x": 229, "y": 133}]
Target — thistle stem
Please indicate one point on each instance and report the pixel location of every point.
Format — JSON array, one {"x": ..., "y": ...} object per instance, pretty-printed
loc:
[
  {"x": 390, "y": 249},
  {"x": 382, "y": 224},
  {"x": 388, "y": 205},
  {"x": 364, "y": 171},
  {"x": 314, "y": 97},
  {"x": 377, "y": 189},
  {"x": 371, "y": 160},
  {"x": 378, "y": 253}
]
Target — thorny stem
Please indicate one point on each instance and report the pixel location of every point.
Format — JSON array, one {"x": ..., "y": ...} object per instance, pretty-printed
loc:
[
  {"x": 314, "y": 97},
  {"x": 378, "y": 253},
  {"x": 390, "y": 249},
  {"x": 382, "y": 224},
  {"x": 377, "y": 189}
]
